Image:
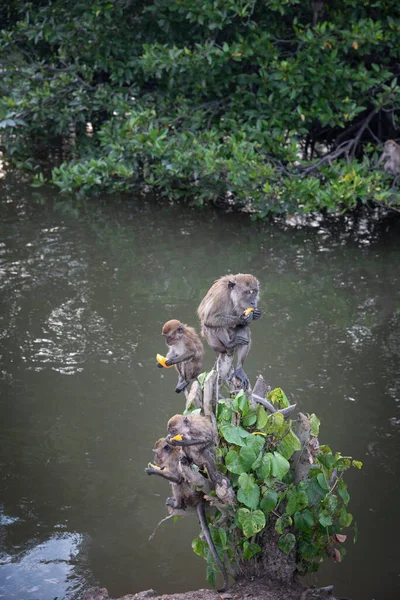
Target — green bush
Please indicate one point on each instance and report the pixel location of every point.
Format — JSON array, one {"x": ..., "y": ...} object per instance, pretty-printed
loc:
[
  {"x": 207, "y": 101},
  {"x": 254, "y": 452}
]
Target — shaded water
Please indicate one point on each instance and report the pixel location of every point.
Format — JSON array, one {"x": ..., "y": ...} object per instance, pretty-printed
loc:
[{"x": 84, "y": 294}]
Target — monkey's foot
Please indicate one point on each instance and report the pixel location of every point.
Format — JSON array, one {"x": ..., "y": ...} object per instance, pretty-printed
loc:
[
  {"x": 174, "y": 504},
  {"x": 182, "y": 384},
  {"x": 241, "y": 375}
]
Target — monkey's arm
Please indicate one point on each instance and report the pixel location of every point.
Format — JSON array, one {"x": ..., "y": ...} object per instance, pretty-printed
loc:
[
  {"x": 178, "y": 358},
  {"x": 219, "y": 319},
  {"x": 187, "y": 442},
  {"x": 164, "y": 474}
]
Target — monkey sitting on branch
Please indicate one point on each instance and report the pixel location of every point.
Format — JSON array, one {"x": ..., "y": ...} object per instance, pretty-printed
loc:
[
  {"x": 168, "y": 460},
  {"x": 186, "y": 352},
  {"x": 391, "y": 153},
  {"x": 225, "y": 313},
  {"x": 197, "y": 437}
]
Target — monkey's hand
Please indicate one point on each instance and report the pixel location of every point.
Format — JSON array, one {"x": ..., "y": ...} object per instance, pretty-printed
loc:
[
  {"x": 186, "y": 460},
  {"x": 174, "y": 504},
  {"x": 159, "y": 366},
  {"x": 241, "y": 341},
  {"x": 256, "y": 313},
  {"x": 246, "y": 319}
]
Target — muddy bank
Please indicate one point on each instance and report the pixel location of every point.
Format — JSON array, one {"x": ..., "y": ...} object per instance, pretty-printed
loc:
[{"x": 249, "y": 590}]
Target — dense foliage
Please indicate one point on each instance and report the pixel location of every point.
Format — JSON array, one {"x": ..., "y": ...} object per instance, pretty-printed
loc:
[
  {"x": 255, "y": 450},
  {"x": 268, "y": 105}
]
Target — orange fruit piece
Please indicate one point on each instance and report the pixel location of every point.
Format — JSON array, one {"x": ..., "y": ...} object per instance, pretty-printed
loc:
[
  {"x": 161, "y": 360},
  {"x": 248, "y": 311}
]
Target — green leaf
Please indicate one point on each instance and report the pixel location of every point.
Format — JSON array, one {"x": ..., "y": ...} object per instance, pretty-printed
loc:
[
  {"x": 280, "y": 466},
  {"x": 256, "y": 443},
  {"x": 323, "y": 482},
  {"x": 308, "y": 550},
  {"x": 249, "y": 420},
  {"x": 264, "y": 470},
  {"x": 269, "y": 501},
  {"x": 282, "y": 522},
  {"x": 249, "y": 492},
  {"x": 211, "y": 575},
  {"x": 278, "y": 396},
  {"x": 343, "y": 493},
  {"x": 289, "y": 444},
  {"x": 242, "y": 402},
  {"x": 198, "y": 546},
  {"x": 287, "y": 542},
  {"x": 262, "y": 417},
  {"x": 251, "y": 522},
  {"x": 234, "y": 463},
  {"x": 325, "y": 520},
  {"x": 314, "y": 424},
  {"x": 345, "y": 518},
  {"x": 357, "y": 463},
  {"x": 304, "y": 520},
  {"x": 250, "y": 549},
  {"x": 248, "y": 457},
  {"x": 234, "y": 435},
  {"x": 328, "y": 460}
]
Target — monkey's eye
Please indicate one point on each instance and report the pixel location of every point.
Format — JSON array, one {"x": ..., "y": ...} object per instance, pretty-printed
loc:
[
  {"x": 248, "y": 292},
  {"x": 168, "y": 448}
]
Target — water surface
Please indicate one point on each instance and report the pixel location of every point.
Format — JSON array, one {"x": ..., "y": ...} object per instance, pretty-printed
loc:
[{"x": 85, "y": 289}]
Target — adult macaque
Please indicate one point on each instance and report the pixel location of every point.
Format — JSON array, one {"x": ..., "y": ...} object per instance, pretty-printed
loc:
[
  {"x": 168, "y": 459},
  {"x": 318, "y": 9},
  {"x": 225, "y": 313},
  {"x": 391, "y": 153},
  {"x": 186, "y": 352},
  {"x": 197, "y": 438}
]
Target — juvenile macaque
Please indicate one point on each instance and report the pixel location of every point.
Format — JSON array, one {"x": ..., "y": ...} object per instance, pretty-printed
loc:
[
  {"x": 225, "y": 313},
  {"x": 391, "y": 153},
  {"x": 168, "y": 459},
  {"x": 186, "y": 352}
]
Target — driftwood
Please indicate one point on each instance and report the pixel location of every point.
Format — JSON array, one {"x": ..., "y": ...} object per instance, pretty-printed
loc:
[
  {"x": 210, "y": 397},
  {"x": 304, "y": 458},
  {"x": 195, "y": 396}
]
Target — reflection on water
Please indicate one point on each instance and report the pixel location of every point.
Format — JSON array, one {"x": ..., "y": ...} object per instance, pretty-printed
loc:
[
  {"x": 85, "y": 289},
  {"x": 44, "y": 571}
]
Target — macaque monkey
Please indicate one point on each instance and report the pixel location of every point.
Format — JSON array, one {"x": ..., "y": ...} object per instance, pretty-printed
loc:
[
  {"x": 186, "y": 352},
  {"x": 198, "y": 440},
  {"x": 317, "y": 8},
  {"x": 225, "y": 313},
  {"x": 391, "y": 152},
  {"x": 168, "y": 459}
]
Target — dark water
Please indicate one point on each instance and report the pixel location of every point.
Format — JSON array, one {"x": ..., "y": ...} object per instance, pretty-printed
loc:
[{"x": 84, "y": 293}]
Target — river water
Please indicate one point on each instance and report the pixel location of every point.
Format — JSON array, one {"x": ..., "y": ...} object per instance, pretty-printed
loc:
[{"x": 85, "y": 289}]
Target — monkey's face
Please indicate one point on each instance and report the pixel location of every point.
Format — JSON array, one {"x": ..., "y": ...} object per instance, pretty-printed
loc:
[
  {"x": 178, "y": 425},
  {"x": 172, "y": 332},
  {"x": 162, "y": 453},
  {"x": 390, "y": 148},
  {"x": 245, "y": 296}
]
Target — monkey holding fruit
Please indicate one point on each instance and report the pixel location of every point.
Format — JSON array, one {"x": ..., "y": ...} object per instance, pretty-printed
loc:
[
  {"x": 167, "y": 460},
  {"x": 186, "y": 352},
  {"x": 225, "y": 313}
]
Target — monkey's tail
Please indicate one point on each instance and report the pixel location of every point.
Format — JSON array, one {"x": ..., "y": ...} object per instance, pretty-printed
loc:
[{"x": 201, "y": 513}]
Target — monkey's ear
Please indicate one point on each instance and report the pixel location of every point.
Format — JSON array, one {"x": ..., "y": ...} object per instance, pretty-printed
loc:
[
  {"x": 186, "y": 421},
  {"x": 179, "y": 329},
  {"x": 231, "y": 284}
]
